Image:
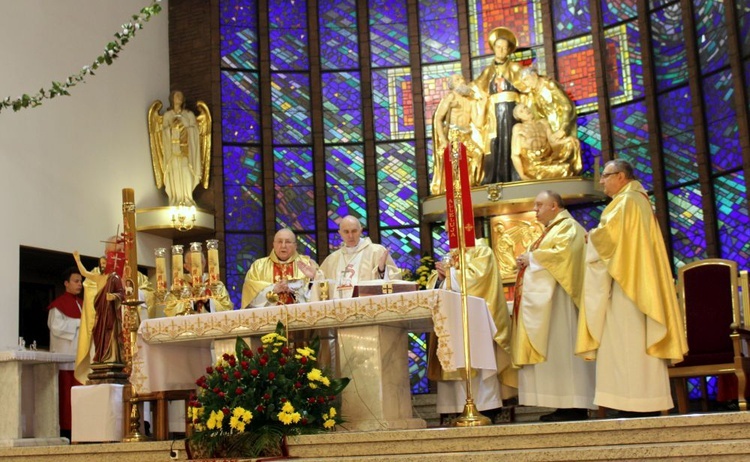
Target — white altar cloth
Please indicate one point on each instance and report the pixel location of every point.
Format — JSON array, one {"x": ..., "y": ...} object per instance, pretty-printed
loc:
[{"x": 172, "y": 353}]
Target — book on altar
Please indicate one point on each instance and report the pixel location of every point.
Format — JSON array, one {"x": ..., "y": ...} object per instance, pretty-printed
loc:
[{"x": 382, "y": 286}]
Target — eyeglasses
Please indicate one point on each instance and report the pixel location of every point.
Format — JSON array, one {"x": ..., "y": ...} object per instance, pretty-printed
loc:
[{"x": 605, "y": 175}]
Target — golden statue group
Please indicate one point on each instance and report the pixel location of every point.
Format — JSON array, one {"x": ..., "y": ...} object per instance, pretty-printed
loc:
[{"x": 515, "y": 124}]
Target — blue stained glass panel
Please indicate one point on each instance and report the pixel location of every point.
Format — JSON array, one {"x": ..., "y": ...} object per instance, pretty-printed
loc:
[
  {"x": 668, "y": 43},
  {"x": 711, "y": 32},
  {"x": 294, "y": 188},
  {"x": 240, "y": 108},
  {"x": 404, "y": 245},
  {"x": 290, "y": 106},
  {"x": 743, "y": 20},
  {"x": 334, "y": 240},
  {"x": 614, "y": 11},
  {"x": 572, "y": 18},
  {"x": 589, "y": 215},
  {"x": 732, "y": 215},
  {"x": 590, "y": 136},
  {"x": 723, "y": 133},
  {"x": 345, "y": 183},
  {"x": 678, "y": 137},
  {"x": 342, "y": 107},
  {"x": 339, "y": 44},
  {"x": 397, "y": 184},
  {"x": 630, "y": 136},
  {"x": 288, "y": 36},
  {"x": 389, "y": 35},
  {"x": 418, "y": 362},
  {"x": 438, "y": 31},
  {"x": 239, "y": 47},
  {"x": 440, "y": 244},
  {"x": 241, "y": 250},
  {"x": 686, "y": 225},
  {"x": 625, "y": 78},
  {"x": 243, "y": 189},
  {"x": 238, "y": 12},
  {"x": 306, "y": 245}
]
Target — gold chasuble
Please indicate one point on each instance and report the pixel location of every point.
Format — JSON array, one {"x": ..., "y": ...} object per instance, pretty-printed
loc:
[
  {"x": 629, "y": 242},
  {"x": 560, "y": 251},
  {"x": 266, "y": 272}
]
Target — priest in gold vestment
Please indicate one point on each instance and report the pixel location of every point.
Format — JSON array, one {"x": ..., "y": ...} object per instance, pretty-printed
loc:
[
  {"x": 358, "y": 259},
  {"x": 630, "y": 321},
  {"x": 483, "y": 280},
  {"x": 548, "y": 294},
  {"x": 284, "y": 274}
]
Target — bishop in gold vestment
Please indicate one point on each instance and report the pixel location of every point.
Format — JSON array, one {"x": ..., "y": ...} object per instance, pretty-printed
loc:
[
  {"x": 548, "y": 294},
  {"x": 630, "y": 320}
]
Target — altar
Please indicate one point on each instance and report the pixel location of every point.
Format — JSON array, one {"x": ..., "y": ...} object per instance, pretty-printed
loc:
[{"x": 171, "y": 353}]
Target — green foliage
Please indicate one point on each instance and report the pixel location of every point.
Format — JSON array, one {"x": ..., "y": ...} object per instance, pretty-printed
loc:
[
  {"x": 249, "y": 399},
  {"x": 110, "y": 54}
]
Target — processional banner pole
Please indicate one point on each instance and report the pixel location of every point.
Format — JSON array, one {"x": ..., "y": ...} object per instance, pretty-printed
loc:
[
  {"x": 461, "y": 234},
  {"x": 132, "y": 302}
]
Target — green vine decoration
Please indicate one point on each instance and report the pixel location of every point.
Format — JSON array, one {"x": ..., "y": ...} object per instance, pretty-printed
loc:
[{"x": 111, "y": 52}]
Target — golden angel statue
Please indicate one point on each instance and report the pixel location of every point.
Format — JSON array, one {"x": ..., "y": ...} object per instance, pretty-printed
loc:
[{"x": 180, "y": 148}]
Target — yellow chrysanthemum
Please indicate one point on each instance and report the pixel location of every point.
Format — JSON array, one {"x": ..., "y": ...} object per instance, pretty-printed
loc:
[
  {"x": 314, "y": 374},
  {"x": 215, "y": 419},
  {"x": 287, "y": 407},
  {"x": 247, "y": 416},
  {"x": 332, "y": 412},
  {"x": 313, "y": 386},
  {"x": 269, "y": 338},
  {"x": 325, "y": 381},
  {"x": 325, "y": 416},
  {"x": 329, "y": 423},
  {"x": 237, "y": 424},
  {"x": 296, "y": 417},
  {"x": 285, "y": 418}
]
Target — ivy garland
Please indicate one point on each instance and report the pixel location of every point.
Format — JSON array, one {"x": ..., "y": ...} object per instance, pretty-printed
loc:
[{"x": 111, "y": 52}]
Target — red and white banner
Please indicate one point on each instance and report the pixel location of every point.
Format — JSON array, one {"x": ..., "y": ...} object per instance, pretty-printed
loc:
[{"x": 467, "y": 210}]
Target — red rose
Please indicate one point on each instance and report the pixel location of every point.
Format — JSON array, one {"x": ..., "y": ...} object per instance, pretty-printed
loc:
[
  {"x": 297, "y": 385},
  {"x": 221, "y": 394},
  {"x": 263, "y": 361},
  {"x": 232, "y": 361},
  {"x": 285, "y": 350},
  {"x": 254, "y": 372},
  {"x": 311, "y": 400},
  {"x": 216, "y": 389},
  {"x": 225, "y": 356},
  {"x": 282, "y": 360},
  {"x": 237, "y": 374},
  {"x": 301, "y": 372},
  {"x": 271, "y": 375},
  {"x": 244, "y": 365},
  {"x": 204, "y": 385},
  {"x": 225, "y": 411},
  {"x": 209, "y": 370},
  {"x": 225, "y": 377},
  {"x": 247, "y": 352},
  {"x": 321, "y": 400},
  {"x": 238, "y": 391},
  {"x": 260, "y": 349},
  {"x": 331, "y": 398},
  {"x": 220, "y": 369},
  {"x": 303, "y": 421},
  {"x": 283, "y": 400},
  {"x": 260, "y": 408},
  {"x": 303, "y": 360}
]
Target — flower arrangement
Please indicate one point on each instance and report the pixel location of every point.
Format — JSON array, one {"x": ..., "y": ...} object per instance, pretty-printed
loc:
[
  {"x": 423, "y": 271},
  {"x": 111, "y": 51},
  {"x": 250, "y": 401}
]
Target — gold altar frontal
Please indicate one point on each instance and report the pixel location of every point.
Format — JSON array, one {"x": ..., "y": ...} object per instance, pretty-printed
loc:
[{"x": 509, "y": 211}]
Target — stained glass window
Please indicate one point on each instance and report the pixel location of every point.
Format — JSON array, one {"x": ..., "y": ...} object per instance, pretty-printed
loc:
[
  {"x": 686, "y": 225},
  {"x": 577, "y": 72},
  {"x": 668, "y": 42},
  {"x": 243, "y": 189},
  {"x": 239, "y": 34},
  {"x": 393, "y": 108},
  {"x": 630, "y": 139},
  {"x": 435, "y": 80},
  {"x": 294, "y": 188},
  {"x": 342, "y": 107},
  {"x": 418, "y": 362},
  {"x": 743, "y": 19},
  {"x": 440, "y": 244},
  {"x": 241, "y": 250},
  {"x": 624, "y": 68},
  {"x": 403, "y": 243},
  {"x": 590, "y": 136},
  {"x": 614, "y": 11},
  {"x": 588, "y": 216},
  {"x": 572, "y": 18},
  {"x": 711, "y": 31},
  {"x": 732, "y": 215},
  {"x": 287, "y": 22},
  {"x": 397, "y": 184},
  {"x": 438, "y": 31},
  {"x": 678, "y": 138},
  {"x": 389, "y": 35},
  {"x": 339, "y": 45},
  {"x": 523, "y": 17},
  {"x": 721, "y": 119},
  {"x": 290, "y": 105},
  {"x": 240, "y": 112},
  {"x": 345, "y": 183}
]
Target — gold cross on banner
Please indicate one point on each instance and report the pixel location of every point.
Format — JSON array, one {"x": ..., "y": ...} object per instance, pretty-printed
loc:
[{"x": 388, "y": 288}]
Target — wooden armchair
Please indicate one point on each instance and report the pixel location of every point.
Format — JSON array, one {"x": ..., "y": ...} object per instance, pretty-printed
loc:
[{"x": 708, "y": 292}]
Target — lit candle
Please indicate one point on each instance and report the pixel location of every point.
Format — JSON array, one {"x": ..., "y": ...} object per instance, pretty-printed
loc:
[
  {"x": 196, "y": 263},
  {"x": 177, "y": 266},
  {"x": 161, "y": 268},
  {"x": 213, "y": 260}
]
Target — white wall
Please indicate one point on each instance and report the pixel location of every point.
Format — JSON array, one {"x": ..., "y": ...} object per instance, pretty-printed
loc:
[{"x": 64, "y": 164}]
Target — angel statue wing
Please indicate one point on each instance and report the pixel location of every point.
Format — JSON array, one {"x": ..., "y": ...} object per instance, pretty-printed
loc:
[
  {"x": 154, "y": 135},
  {"x": 204, "y": 124}
]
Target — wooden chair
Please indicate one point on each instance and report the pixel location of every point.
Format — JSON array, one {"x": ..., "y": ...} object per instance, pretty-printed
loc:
[
  {"x": 709, "y": 296},
  {"x": 160, "y": 400}
]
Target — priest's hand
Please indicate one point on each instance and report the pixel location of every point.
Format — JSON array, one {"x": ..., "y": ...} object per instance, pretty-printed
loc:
[
  {"x": 523, "y": 260},
  {"x": 307, "y": 270},
  {"x": 383, "y": 261},
  {"x": 440, "y": 268},
  {"x": 281, "y": 287}
]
